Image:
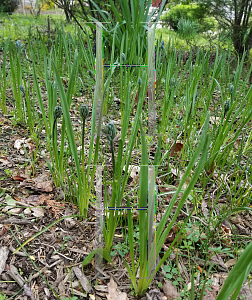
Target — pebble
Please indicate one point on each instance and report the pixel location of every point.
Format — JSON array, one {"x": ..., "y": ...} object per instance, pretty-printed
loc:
[{"x": 27, "y": 211}]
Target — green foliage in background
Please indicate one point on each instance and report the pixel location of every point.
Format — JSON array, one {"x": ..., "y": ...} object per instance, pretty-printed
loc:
[
  {"x": 193, "y": 12},
  {"x": 2, "y": 297},
  {"x": 235, "y": 18},
  {"x": 8, "y": 5},
  {"x": 187, "y": 29},
  {"x": 18, "y": 26},
  {"x": 47, "y": 4},
  {"x": 123, "y": 28}
]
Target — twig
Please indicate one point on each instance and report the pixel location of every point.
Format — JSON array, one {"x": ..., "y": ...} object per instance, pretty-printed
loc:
[
  {"x": 56, "y": 251},
  {"x": 15, "y": 221},
  {"x": 196, "y": 218}
]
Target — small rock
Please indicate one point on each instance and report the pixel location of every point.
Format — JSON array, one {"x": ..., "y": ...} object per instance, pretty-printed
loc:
[
  {"x": 5, "y": 277},
  {"x": 38, "y": 212},
  {"x": 27, "y": 211}
]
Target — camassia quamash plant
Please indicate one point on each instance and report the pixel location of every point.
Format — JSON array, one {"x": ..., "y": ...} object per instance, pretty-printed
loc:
[
  {"x": 148, "y": 254},
  {"x": 236, "y": 113},
  {"x": 130, "y": 21},
  {"x": 81, "y": 180},
  {"x": 119, "y": 180}
]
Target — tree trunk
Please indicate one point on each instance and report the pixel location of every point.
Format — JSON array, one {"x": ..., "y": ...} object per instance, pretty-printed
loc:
[
  {"x": 238, "y": 38},
  {"x": 68, "y": 16}
]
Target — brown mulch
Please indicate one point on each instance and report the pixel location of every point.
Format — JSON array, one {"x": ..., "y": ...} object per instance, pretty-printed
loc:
[
  {"x": 31, "y": 203},
  {"x": 57, "y": 254}
]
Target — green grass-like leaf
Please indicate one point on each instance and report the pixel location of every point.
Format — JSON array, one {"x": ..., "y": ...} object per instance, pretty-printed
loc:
[{"x": 237, "y": 276}]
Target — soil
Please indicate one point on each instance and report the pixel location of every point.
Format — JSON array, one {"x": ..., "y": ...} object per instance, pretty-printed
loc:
[{"x": 56, "y": 254}]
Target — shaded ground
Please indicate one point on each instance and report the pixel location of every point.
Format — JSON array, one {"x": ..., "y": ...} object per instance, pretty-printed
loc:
[{"x": 31, "y": 205}]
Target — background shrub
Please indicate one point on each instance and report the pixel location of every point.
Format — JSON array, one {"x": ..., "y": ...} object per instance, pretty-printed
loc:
[
  {"x": 8, "y": 5},
  {"x": 193, "y": 12},
  {"x": 47, "y": 5}
]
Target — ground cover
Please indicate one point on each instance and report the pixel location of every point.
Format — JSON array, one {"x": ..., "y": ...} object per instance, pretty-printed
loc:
[
  {"x": 17, "y": 25},
  {"x": 201, "y": 159}
]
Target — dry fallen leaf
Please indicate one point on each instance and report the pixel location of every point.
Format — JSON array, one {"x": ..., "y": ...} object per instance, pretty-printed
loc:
[
  {"x": 236, "y": 220},
  {"x": 18, "y": 143},
  {"x": 154, "y": 295},
  {"x": 204, "y": 208},
  {"x": 69, "y": 222},
  {"x": 113, "y": 294},
  {"x": 176, "y": 148},
  {"x": 200, "y": 269},
  {"x": 32, "y": 200},
  {"x": 5, "y": 162},
  {"x": 231, "y": 262},
  {"x": 38, "y": 212},
  {"x": 28, "y": 292},
  {"x": 170, "y": 290},
  {"x": 4, "y": 252},
  {"x": 134, "y": 171},
  {"x": 217, "y": 259},
  {"x": 52, "y": 205},
  {"x": 18, "y": 178},
  {"x": 171, "y": 236},
  {"x": 40, "y": 183}
]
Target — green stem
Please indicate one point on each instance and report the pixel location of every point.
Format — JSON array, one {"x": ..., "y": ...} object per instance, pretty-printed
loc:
[
  {"x": 54, "y": 139},
  {"x": 82, "y": 143},
  {"x": 122, "y": 103},
  {"x": 61, "y": 160},
  {"x": 113, "y": 157}
]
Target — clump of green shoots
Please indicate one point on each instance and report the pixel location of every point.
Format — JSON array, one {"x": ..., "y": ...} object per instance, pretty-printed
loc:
[
  {"x": 57, "y": 113},
  {"x": 124, "y": 81},
  {"x": 27, "y": 107},
  {"x": 226, "y": 133},
  {"x": 3, "y": 77},
  {"x": 167, "y": 104}
]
